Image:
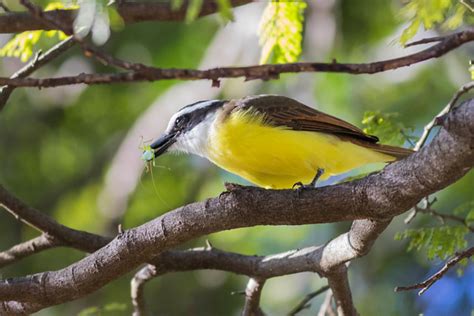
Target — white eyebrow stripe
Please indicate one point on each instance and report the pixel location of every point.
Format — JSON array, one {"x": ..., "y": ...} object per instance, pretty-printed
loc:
[{"x": 188, "y": 109}]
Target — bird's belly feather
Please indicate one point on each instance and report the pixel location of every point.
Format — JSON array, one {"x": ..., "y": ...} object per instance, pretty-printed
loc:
[{"x": 276, "y": 157}]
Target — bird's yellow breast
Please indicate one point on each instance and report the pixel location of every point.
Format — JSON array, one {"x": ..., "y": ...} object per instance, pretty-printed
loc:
[{"x": 278, "y": 157}]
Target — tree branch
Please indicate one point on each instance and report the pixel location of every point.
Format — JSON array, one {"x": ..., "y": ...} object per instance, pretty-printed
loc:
[
  {"x": 326, "y": 307},
  {"x": 27, "y": 248},
  {"x": 137, "y": 288},
  {"x": 131, "y": 12},
  {"x": 436, "y": 120},
  {"x": 304, "y": 304},
  {"x": 89, "y": 50},
  {"x": 36, "y": 219},
  {"x": 253, "y": 292},
  {"x": 37, "y": 62},
  {"x": 425, "y": 285},
  {"x": 339, "y": 283},
  {"x": 264, "y": 72},
  {"x": 379, "y": 196},
  {"x": 425, "y": 41},
  {"x": 427, "y": 209}
]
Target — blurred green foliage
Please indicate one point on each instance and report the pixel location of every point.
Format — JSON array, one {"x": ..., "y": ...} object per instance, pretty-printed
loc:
[
  {"x": 466, "y": 210},
  {"x": 23, "y": 45},
  {"x": 280, "y": 31},
  {"x": 56, "y": 146},
  {"x": 429, "y": 13},
  {"x": 194, "y": 8},
  {"x": 387, "y": 128},
  {"x": 441, "y": 242},
  {"x": 109, "y": 309}
]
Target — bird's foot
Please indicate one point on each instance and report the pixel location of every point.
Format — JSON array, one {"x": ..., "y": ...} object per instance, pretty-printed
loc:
[
  {"x": 319, "y": 173},
  {"x": 300, "y": 187}
]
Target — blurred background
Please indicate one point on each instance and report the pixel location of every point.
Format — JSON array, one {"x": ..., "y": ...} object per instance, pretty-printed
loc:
[{"x": 74, "y": 153}]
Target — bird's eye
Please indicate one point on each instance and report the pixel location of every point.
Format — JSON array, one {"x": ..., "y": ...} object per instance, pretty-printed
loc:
[{"x": 180, "y": 121}]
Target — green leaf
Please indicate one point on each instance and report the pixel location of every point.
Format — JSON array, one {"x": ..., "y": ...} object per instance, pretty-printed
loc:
[
  {"x": 22, "y": 45},
  {"x": 450, "y": 14},
  {"x": 194, "y": 8},
  {"x": 93, "y": 310},
  {"x": 115, "y": 307},
  {"x": 410, "y": 31},
  {"x": 464, "y": 208},
  {"x": 386, "y": 127},
  {"x": 116, "y": 21},
  {"x": 225, "y": 10},
  {"x": 176, "y": 4},
  {"x": 461, "y": 265},
  {"x": 471, "y": 69},
  {"x": 456, "y": 19},
  {"x": 441, "y": 242},
  {"x": 280, "y": 32}
]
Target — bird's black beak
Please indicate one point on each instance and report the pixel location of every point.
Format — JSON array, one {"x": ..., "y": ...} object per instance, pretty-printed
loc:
[{"x": 162, "y": 144}]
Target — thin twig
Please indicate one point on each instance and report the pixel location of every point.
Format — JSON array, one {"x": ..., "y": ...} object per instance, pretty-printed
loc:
[
  {"x": 425, "y": 285},
  {"x": 263, "y": 72},
  {"x": 137, "y": 288},
  {"x": 27, "y": 248},
  {"x": 442, "y": 217},
  {"x": 326, "y": 307},
  {"x": 436, "y": 121},
  {"x": 89, "y": 50},
  {"x": 253, "y": 292},
  {"x": 37, "y": 62},
  {"x": 425, "y": 41},
  {"x": 468, "y": 5},
  {"x": 304, "y": 304},
  {"x": 4, "y": 7}
]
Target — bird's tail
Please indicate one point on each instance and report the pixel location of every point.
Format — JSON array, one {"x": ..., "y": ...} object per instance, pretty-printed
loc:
[{"x": 396, "y": 152}]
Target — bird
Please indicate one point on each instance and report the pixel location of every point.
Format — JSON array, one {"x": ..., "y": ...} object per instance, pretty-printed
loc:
[{"x": 272, "y": 141}]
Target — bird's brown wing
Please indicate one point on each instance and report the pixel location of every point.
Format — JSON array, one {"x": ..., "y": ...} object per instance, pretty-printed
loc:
[{"x": 283, "y": 111}]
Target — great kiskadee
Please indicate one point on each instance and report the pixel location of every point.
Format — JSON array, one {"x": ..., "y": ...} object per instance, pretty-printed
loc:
[{"x": 272, "y": 141}]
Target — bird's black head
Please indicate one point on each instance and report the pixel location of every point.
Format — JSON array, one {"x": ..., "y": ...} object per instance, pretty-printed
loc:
[{"x": 183, "y": 123}]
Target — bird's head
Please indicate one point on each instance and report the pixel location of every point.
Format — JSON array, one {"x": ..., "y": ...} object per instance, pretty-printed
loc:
[{"x": 189, "y": 128}]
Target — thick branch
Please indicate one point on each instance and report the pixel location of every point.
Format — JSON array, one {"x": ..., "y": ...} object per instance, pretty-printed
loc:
[
  {"x": 294, "y": 261},
  {"x": 131, "y": 12},
  {"x": 74, "y": 238},
  {"x": 264, "y": 72},
  {"x": 339, "y": 283}
]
